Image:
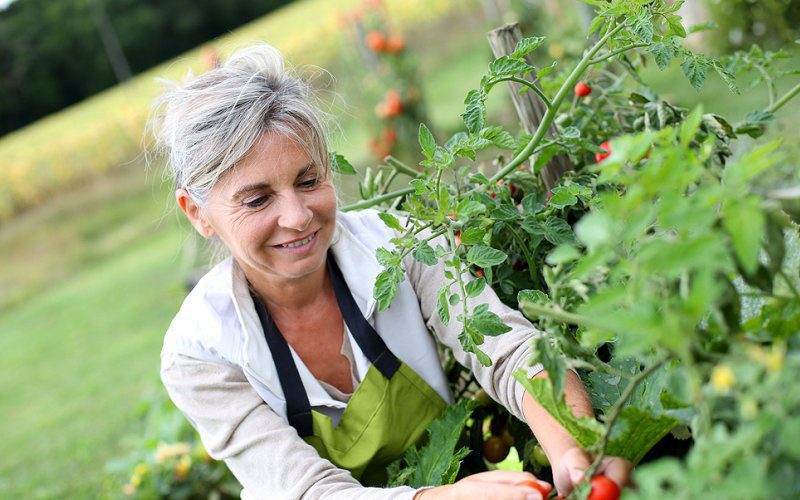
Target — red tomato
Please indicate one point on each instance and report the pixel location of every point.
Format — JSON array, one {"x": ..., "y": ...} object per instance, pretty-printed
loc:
[
  {"x": 603, "y": 488},
  {"x": 390, "y": 135},
  {"x": 479, "y": 272},
  {"x": 376, "y": 41},
  {"x": 582, "y": 90},
  {"x": 395, "y": 44},
  {"x": 606, "y": 146},
  {"x": 393, "y": 104},
  {"x": 543, "y": 488}
]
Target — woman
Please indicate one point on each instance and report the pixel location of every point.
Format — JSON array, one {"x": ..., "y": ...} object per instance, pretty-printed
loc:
[{"x": 278, "y": 356}]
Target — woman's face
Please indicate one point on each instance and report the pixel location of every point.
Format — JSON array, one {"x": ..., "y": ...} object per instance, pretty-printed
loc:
[{"x": 275, "y": 211}]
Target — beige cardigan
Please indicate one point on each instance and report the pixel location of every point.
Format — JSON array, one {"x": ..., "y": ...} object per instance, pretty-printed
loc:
[{"x": 265, "y": 453}]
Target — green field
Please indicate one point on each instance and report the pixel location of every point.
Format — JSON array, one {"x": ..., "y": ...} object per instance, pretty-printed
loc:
[{"x": 90, "y": 280}]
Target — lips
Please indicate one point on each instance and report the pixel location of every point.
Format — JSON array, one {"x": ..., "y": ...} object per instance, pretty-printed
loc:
[{"x": 298, "y": 241}]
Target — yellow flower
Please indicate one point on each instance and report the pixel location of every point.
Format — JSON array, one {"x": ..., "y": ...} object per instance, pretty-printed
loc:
[
  {"x": 165, "y": 451},
  {"x": 183, "y": 466},
  {"x": 722, "y": 378}
]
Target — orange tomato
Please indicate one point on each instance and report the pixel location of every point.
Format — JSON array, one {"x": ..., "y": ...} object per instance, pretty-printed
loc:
[{"x": 376, "y": 41}]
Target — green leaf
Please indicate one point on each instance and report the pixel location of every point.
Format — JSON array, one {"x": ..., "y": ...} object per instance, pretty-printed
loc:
[
  {"x": 472, "y": 236},
  {"x": 744, "y": 222},
  {"x": 554, "y": 229},
  {"x": 527, "y": 45},
  {"x": 643, "y": 27},
  {"x": 391, "y": 221},
  {"x": 662, "y": 53},
  {"x": 636, "y": 431},
  {"x": 695, "y": 67},
  {"x": 340, "y": 165},
  {"x": 526, "y": 298},
  {"x": 562, "y": 254},
  {"x": 385, "y": 257},
  {"x": 727, "y": 76},
  {"x": 508, "y": 66},
  {"x": 483, "y": 256},
  {"x": 443, "y": 308},
  {"x": 438, "y": 462},
  {"x": 711, "y": 25},
  {"x": 475, "y": 114},
  {"x": 691, "y": 125},
  {"x": 675, "y": 26},
  {"x": 420, "y": 186},
  {"x": 553, "y": 363},
  {"x": 585, "y": 430},
  {"x": 562, "y": 197},
  {"x": 487, "y": 323},
  {"x": 425, "y": 254},
  {"x": 544, "y": 72},
  {"x": 499, "y": 137},
  {"x": 506, "y": 213},
  {"x": 475, "y": 287},
  {"x": 426, "y": 141},
  {"x": 386, "y": 285}
]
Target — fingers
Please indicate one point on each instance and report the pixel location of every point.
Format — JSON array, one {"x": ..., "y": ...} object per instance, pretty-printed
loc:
[
  {"x": 571, "y": 470},
  {"x": 503, "y": 485},
  {"x": 617, "y": 469},
  {"x": 502, "y": 476}
]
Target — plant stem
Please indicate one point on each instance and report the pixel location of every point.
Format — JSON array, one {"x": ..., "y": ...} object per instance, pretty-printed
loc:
[
  {"x": 563, "y": 316},
  {"x": 783, "y": 100},
  {"x": 550, "y": 114},
  {"x": 378, "y": 199},
  {"x": 389, "y": 181},
  {"x": 528, "y": 84},
  {"x": 617, "y": 410},
  {"x": 401, "y": 167},
  {"x": 617, "y": 51}
]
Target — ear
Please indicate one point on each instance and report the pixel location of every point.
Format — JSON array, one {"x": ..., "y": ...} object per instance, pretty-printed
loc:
[{"x": 194, "y": 213}]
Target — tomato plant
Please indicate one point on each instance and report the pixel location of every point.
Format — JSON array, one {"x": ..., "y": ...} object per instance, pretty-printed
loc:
[{"x": 663, "y": 269}]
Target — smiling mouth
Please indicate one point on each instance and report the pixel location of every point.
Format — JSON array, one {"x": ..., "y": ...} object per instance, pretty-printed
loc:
[{"x": 299, "y": 242}]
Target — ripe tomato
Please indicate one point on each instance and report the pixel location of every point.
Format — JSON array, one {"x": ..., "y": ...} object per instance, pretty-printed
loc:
[
  {"x": 395, "y": 44},
  {"x": 390, "y": 135},
  {"x": 376, "y": 41},
  {"x": 479, "y": 272},
  {"x": 393, "y": 104},
  {"x": 543, "y": 488},
  {"x": 603, "y": 488},
  {"x": 582, "y": 90},
  {"x": 495, "y": 449},
  {"x": 606, "y": 146}
]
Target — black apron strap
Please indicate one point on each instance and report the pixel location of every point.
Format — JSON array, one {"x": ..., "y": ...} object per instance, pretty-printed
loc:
[
  {"x": 298, "y": 409},
  {"x": 368, "y": 340}
]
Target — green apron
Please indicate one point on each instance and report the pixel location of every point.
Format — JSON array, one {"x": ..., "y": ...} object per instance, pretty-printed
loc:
[{"x": 387, "y": 413}]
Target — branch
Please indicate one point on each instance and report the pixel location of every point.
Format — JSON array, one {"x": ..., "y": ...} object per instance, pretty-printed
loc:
[
  {"x": 377, "y": 200},
  {"x": 530, "y": 85},
  {"x": 783, "y": 100},
  {"x": 620, "y": 50}
]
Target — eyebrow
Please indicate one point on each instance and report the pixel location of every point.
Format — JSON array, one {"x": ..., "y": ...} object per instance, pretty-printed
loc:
[{"x": 263, "y": 185}]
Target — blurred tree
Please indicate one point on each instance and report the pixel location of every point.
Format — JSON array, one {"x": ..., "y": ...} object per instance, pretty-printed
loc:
[{"x": 52, "y": 55}]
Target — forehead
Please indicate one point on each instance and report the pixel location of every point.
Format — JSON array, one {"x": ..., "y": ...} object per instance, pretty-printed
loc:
[{"x": 274, "y": 158}]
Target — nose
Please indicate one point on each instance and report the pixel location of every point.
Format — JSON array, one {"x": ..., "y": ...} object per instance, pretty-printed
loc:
[{"x": 294, "y": 213}]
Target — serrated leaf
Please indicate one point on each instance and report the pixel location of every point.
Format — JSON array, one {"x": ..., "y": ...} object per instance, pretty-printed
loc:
[
  {"x": 711, "y": 25},
  {"x": 385, "y": 257},
  {"x": 662, "y": 53},
  {"x": 585, "y": 430},
  {"x": 472, "y": 236},
  {"x": 562, "y": 197},
  {"x": 499, "y": 137},
  {"x": 474, "y": 117},
  {"x": 506, "y": 213},
  {"x": 696, "y": 70},
  {"x": 571, "y": 133},
  {"x": 483, "y": 256},
  {"x": 636, "y": 431},
  {"x": 420, "y": 186},
  {"x": 340, "y": 165},
  {"x": 386, "y": 285},
  {"x": 727, "y": 76},
  {"x": 554, "y": 229},
  {"x": 391, "y": 221},
  {"x": 426, "y": 141},
  {"x": 487, "y": 323},
  {"x": 425, "y": 254},
  {"x": 443, "y": 308},
  {"x": 438, "y": 462},
  {"x": 744, "y": 221},
  {"x": 675, "y": 26},
  {"x": 508, "y": 66},
  {"x": 643, "y": 27},
  {"x": 527, "y": 45},
  {"x": 475, "y": 287}
]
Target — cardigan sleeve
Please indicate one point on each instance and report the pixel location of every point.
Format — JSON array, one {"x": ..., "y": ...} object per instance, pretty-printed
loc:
[
  {"x": 262, "y": 451},
  {"x": 508, "y": 351}
]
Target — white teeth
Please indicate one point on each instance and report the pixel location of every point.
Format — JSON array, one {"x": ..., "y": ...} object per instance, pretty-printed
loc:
[{"x": 299, "y": 243}]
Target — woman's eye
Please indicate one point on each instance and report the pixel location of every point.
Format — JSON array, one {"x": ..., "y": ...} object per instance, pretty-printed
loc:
[
  {"x": 256, "y": 202},
  {"x": 309, "y": 183}
]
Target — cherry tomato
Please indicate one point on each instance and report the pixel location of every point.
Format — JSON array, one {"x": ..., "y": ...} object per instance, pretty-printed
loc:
[
  {"x": 376, "y": 41},
  {"x": 393, "y": 104},
  {"x": 543, "y": 488},
  {"x": 479, "y": 272},
  {"x": 539, "y": 456},
  {"x": 395, "y": 44},
  {"x": 606, "y": 146},
  {"x": 582, "y": 90},
  {"x": 603, "y": 488},
  {"x": 495, "y": 449}
]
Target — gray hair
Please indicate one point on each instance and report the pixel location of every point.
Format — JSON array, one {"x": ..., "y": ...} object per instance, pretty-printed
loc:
[{"x": 210, "y": 122}]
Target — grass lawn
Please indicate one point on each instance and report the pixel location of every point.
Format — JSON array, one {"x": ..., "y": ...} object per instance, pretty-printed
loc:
[{"x": 90, "y": 281}]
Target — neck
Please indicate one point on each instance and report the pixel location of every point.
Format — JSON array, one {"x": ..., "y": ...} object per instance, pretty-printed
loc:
[{"x": 287, "y": 295}]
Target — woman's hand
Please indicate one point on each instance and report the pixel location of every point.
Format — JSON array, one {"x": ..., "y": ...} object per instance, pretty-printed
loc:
[
  {"x": 496, "y": 484},
  {"x": 568, "y": 471}
]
